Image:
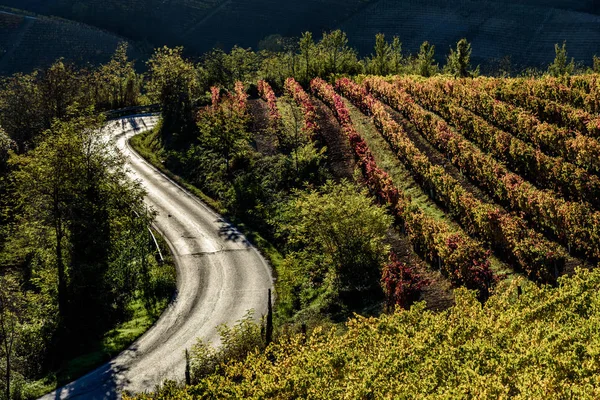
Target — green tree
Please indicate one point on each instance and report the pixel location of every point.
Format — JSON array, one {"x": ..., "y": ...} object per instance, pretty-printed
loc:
[
  {"x": 74, "y": 188},
  {"x": 459, "y": 62},
  {"x": 243, "y": 64},
  {"x": 382, "y": 55},
  {"x": 396, "y": 55},
  {"x": 11, "y": 306},
  {"x": 307, "y": 53},
  {"x": 22, "y": 115},
  {"x": 425, "y": 63},
  {"x": 341, "y": 230},
  {"x": 215, "y": 70},
  {"x": 596, "y": 65},
  {"x": 337, "y": 56},
  {"x": 118, "y": 85},
  {"x": 60, "y": 90},
  {"x": 6, "y": 145},
  {"x": 224, "y": 129},
  {"x": 561, "y": 65},
  {"x": 174, "y": 84}
]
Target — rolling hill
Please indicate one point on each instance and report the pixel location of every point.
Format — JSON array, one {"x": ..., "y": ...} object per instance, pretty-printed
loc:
[
  {"x": 525, "y": 31},
  {"x": 29, "y": 42}
]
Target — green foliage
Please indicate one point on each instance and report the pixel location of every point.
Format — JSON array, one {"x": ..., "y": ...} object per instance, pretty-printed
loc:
[
  {"x": 174, "y": 84},
  {"x": 561, "y": 65},
  {"x": 425, "y": 62},
  {"x": 307, "y": 52},
  {"x": 596, "y": 65},
  {"x": 458, "y": 62},
  {"x": 335, "y": 240},
  {"x": 219, "y": 68},
  {"x": 527, "y": 343},
  {"x": 70, "y": 188},
  {"x": 6, "y": 145},
  {"x": 336, "y": 56},
  {"x": 29, "y": 104},
  {"x": 387, "y": 58},
  {"x": 236, "y": 342},
  {"x": 117, "y": 84},
  {"x": 223, "y": 129}
]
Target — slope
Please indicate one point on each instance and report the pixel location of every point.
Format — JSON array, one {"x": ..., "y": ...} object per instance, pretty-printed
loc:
[{"x": 28, "y": 42}]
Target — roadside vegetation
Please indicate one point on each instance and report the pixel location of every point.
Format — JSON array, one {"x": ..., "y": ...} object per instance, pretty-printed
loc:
[{"x": 80, "y": 278}]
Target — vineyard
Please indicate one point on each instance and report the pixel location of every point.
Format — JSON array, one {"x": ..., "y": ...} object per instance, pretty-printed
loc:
[
  {"x": 476, "y": 191},
  {"x": 511, "y": 163}
]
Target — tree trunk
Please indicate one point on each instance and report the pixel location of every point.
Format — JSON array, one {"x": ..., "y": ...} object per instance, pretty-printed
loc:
[
  {"x": 269, "y": 330},
  {"x": 8, "y": 376},
  {"x": 62, "y": 283}
]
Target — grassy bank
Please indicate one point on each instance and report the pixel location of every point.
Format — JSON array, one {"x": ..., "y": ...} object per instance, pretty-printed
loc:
[
  {"x": 112, "y": 342},
  {"x": 149, "y": 147}
]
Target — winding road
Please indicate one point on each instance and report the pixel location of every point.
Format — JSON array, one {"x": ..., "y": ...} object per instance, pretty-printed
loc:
[{"x": 220, "y": 276}]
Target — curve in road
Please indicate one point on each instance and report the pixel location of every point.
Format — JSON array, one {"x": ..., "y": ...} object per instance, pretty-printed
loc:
[{"x": 220, "y": 276}]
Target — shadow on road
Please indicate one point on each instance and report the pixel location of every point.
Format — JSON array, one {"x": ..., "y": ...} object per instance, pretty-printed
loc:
[
  {"x": 230, "y": 233},
  {"x": 105, "y": 382}
]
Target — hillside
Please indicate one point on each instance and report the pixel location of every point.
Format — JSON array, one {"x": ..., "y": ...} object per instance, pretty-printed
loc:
[
  {"x": 541, "y": 345},
  {"x": 525, "y": 31},
  {"x": 499, "y": 28},
  {"x": 28, "y": 42}
]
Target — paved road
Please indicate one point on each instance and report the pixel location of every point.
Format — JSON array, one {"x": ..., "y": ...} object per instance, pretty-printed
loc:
[{"x": 219, "y": 277}]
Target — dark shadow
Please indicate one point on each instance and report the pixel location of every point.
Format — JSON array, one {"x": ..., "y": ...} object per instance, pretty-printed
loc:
[
  {"x": 230, "y": 233},
  {"x": 106, "y": 382}
]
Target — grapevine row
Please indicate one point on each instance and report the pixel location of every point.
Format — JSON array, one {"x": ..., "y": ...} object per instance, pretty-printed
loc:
[
  {"x": 240, "y": 96},
  {"x": 462, "y": 258},
  {"x": 295, "y": 91},
  {"x": 509, "y": 236},
  {"x": 543, "y": 170},
  {"x": 549, "y": 111},
  {"x": 266, "y": 93},
  {"x": 556, "y": 89},
  {"x": 575, "y": 224},
  {"x": 581, "y": 150}
]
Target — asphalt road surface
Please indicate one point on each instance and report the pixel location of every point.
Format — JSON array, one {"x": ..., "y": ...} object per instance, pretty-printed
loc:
[{"x": 220, "y": 276}]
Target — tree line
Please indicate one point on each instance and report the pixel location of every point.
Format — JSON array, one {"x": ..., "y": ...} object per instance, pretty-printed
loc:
[{"x": 76, "y": 253}]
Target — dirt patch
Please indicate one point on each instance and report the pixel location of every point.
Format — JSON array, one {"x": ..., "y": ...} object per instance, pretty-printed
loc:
[{"x": 340, "y": 157}]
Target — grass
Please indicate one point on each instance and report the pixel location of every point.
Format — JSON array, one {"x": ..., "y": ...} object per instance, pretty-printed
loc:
[
  {"x": 112, "y": 342},
  {"x": 148, "y": 145}
]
